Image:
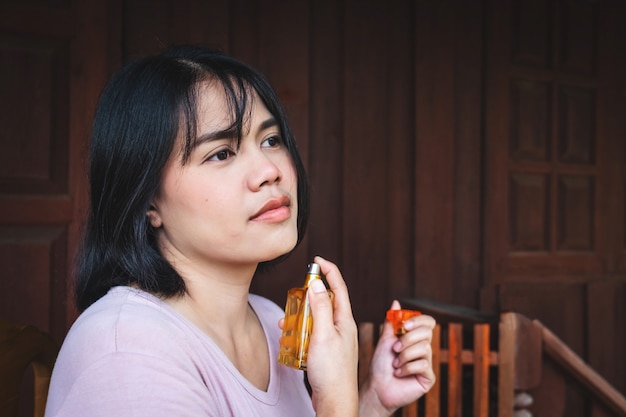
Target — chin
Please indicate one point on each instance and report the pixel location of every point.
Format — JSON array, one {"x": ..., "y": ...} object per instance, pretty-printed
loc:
[{"x": 281, "y": 252}]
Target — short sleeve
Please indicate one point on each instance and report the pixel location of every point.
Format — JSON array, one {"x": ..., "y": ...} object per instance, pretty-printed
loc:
[{"x": 135, "y": 385}]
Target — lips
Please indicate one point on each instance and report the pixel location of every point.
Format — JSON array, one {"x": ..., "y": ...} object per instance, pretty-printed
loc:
[{"x": 275, "y": 209}]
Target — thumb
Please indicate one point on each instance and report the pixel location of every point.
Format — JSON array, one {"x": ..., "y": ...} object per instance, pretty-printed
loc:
[
  {"x": 321, "y": 306},
  {"x": 388, "y": 327}
]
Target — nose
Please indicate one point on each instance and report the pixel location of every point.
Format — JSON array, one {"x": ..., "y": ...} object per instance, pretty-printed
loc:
[{"x": 264, "y": 171}]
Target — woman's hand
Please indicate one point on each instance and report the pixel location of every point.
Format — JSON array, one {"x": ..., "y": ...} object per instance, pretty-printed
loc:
[
  {"x": 401, "y": 369},
  {"x": 333, "y": 349}
]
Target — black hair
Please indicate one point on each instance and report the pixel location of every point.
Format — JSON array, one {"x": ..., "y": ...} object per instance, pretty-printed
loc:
[{"x": 141, "y": 112}]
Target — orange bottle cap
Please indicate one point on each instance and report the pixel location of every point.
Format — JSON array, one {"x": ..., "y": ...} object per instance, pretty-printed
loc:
[{"x": 398, "y": 317}]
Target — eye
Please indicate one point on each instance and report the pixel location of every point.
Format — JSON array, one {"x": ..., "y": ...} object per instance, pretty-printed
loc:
[
  {"x": 221, "y": 155},
  {"x": 272, "y": 142}
]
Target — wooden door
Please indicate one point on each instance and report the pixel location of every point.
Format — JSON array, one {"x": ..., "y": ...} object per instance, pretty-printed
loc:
[
  {"x": 53, "y": 62},
  {"x": 554, "y": 196}
]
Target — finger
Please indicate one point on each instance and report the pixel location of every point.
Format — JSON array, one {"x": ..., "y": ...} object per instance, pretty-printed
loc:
[
  {"x": 418, "y": 329},
  {"x": 416, "y": 351},
  {"x": 321, "y": 307},
  {"x": 338, "y": 286},
  {"x": 427, "y": 378},
  {"x": 420, "y": 368},
  {"x": 421, "y": 322}
]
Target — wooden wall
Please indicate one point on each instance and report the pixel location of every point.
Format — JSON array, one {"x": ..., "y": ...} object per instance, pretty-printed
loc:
[
  {"x": 53, "y": 64},
  {"x": 470, "y": 152}
]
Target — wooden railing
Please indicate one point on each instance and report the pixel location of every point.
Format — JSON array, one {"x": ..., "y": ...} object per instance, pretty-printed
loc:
[
  {"x": 573, "y": 365},
  {"x": 516, "y": 359}
]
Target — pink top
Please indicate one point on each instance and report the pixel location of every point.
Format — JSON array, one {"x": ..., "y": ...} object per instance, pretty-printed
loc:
[{"x": 130, "y": 354}]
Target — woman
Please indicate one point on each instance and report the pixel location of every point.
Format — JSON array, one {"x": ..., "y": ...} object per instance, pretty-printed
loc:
[{"x": 195, "y": 183}]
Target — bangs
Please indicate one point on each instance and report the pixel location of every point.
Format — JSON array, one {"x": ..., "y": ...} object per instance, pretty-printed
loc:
[{"x": 239, "y": 95}]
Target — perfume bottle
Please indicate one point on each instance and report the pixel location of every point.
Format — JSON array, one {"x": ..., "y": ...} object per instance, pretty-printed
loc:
[{"x": 298, "y": 323}]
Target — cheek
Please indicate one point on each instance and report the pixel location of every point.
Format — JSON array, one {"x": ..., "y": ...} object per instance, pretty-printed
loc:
[
  {"x": 290, "y": 174},
  {"x": 184, "y": 197},
  {"x": 290, "y": 179}
]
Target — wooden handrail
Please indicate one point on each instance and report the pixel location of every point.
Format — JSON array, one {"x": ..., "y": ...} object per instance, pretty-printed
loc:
[
  {"x": 450, "y": 313},
  {"x": 528, "y": 339},
  {"x": 571, "y": 362}
]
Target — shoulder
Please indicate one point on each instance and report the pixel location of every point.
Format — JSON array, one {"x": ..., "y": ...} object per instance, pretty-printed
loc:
[
  {"x": 124, "y": 320},
  {"x": 129, "y": 342}
]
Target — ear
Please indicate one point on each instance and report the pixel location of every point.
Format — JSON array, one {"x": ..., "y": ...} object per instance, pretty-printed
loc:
[{"x": 154, "y": 217}]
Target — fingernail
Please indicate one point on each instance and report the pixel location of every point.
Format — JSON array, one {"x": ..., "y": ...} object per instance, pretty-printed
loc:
[{"x": 317, "y": 286}]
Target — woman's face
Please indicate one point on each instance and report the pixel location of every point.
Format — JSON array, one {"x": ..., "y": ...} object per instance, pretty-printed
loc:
[{"x": 228, "y": 204}]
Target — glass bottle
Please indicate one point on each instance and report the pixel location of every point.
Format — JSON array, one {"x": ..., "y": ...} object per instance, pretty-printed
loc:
[{"x": 298, "y": 323}]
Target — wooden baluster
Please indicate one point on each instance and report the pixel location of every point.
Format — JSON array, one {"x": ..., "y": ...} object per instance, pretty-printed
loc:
[
  {"x": 519, "y": 359},
  {"x": 506, "y": 365},
  {"x": 455, "y": 370},
  {"x": 481, "y": 370},
  {"x": 366, "y": 349}
]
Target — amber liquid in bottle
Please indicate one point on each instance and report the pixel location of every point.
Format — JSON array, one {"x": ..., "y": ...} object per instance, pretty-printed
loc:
[{"x": 294, "y": 343}]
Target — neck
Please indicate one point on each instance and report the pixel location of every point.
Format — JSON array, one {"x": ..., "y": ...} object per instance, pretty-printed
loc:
[
  {"x": 216, "y": 299},
  {"x": 217, "y": 303}
]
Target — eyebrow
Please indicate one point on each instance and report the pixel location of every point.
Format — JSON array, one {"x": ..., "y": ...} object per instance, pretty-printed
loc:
[
  {"x": 271, "y": 122},
  {"x": 230, "y": 133}
]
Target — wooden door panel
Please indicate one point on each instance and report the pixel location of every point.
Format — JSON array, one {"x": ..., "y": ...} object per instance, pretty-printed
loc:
[
  {"x": 32, "y": 288},
  {"x": 554, "y": 201},
  {"x": 33, "y": 174},
  {"x": 53, "y": 61},
  {"x": 559, "y": 306},
  {"x": 34, "y": 98},
  {"x": 606, "y": 339},
  {"x": 545, "y": 174}
]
